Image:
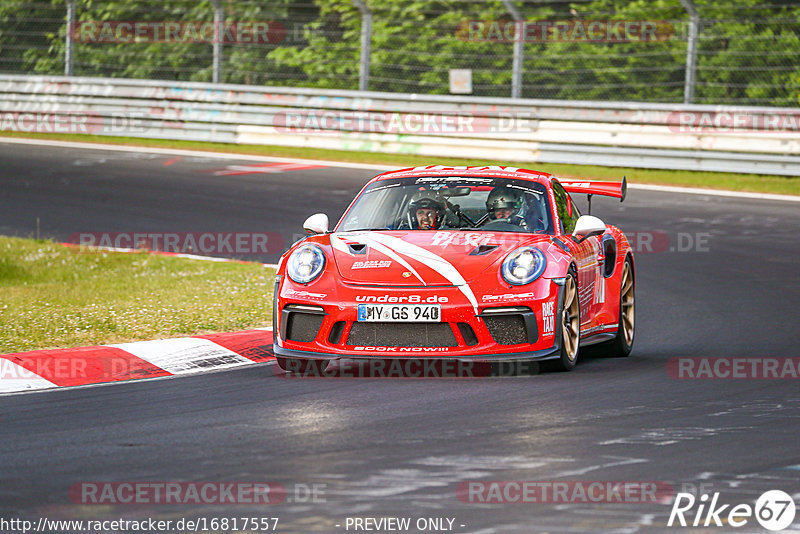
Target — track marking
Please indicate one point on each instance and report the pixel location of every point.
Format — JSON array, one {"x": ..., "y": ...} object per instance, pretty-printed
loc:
[
  {"x": 272, "y": 167},
  {"x": 175, "y": 254},
  {"x": 714, "y": 192},
  {"x": 619, "y": 461},
  {"x": 193, "y": 153}
]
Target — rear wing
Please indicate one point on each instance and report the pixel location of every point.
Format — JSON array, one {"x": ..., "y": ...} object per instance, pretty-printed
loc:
[{"x": 589, "y": 187}]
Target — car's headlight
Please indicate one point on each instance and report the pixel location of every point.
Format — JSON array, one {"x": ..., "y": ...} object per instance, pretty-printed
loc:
[
  {"x": 305, "y": 263},
  {"x": 523, "y": 266}
]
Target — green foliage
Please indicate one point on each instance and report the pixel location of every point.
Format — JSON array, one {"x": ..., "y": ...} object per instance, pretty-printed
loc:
[{"x": 748, "y": 53}]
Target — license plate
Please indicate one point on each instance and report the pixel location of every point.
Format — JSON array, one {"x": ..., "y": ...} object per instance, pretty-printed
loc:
[{"x": 400, "y": 313}]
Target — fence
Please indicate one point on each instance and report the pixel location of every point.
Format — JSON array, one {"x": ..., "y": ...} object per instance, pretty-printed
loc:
[
  {"x": 759, "y": 140},
  {"x": 744, "y": 53}
]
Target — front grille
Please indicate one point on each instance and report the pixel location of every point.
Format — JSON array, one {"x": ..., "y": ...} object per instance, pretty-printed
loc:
[
  {"x": 507, "y": 329},
  {"x": 402, "y": 335},
  {"x": 303, "y": 327}
]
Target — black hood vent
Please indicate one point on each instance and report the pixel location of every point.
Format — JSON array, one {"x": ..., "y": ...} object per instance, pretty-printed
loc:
[{"x": 482, "y": 250}]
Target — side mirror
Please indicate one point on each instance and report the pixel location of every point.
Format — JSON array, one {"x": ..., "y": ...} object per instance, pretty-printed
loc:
[
  {"x": 588, "y": 226},
  {"x": 317, "y": 224}
]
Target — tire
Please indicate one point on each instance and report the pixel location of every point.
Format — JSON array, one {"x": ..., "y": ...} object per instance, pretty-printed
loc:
[
  {"x": 301, "y": 365},
  {"x": 570, "y": 325},
  {"x": 621, "y": 346}
]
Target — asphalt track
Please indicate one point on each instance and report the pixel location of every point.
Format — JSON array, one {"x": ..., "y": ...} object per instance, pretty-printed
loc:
[{"x": 400, "y": 447}]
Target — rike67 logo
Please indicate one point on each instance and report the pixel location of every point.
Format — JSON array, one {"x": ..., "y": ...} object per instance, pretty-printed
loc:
[{"x": 774, "y": 510}]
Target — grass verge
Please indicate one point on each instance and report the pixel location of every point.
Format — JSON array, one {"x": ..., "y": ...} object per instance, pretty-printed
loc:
[
  {"x": 786, "y": 185},
  {"x": 54, "y": 296}
]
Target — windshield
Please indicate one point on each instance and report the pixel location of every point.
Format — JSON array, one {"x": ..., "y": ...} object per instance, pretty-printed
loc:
[{"x": 451, "y": 202}]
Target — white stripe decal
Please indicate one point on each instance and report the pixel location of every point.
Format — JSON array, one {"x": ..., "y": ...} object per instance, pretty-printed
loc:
[
  {"x": 184, "y": 355},
  {"x": 599, "y": 296},
  {"x": 365, "y": 240},
  {"x": 426, "y": 257},
  {"x": 14, "y": 377}
]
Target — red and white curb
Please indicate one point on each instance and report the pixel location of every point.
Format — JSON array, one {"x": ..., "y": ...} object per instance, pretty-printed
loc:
[{"x": 44, "y": 369}]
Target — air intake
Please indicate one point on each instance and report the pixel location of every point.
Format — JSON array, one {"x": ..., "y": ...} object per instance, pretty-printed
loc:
[
  {"x": 300, "y": 322},
  {"x": 511, "y": 325}
]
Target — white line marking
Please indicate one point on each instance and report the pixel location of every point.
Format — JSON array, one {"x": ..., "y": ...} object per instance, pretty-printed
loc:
[
  {"x": 714, "y": 192},
  {"x": 621, "y": 461},
  {"x": 364, "y": 166},
  {"x": 174, "y": 255},
  {"x": 193, "y": 153}
]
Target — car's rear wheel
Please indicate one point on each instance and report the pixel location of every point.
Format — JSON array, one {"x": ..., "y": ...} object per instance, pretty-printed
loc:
[
  {"x": 621, "y": 346},
  {"x": 302, "y": 365},
  {"x": 570, "y": 326}
]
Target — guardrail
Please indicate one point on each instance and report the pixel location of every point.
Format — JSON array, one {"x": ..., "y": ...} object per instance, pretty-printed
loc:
[{"x": 757, "y": 140}]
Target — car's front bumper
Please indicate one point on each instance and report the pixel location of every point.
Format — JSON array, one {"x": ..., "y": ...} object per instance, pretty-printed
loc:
[
  {"x": 537, "y": 355},
  {"x": 521, "y": 326}
]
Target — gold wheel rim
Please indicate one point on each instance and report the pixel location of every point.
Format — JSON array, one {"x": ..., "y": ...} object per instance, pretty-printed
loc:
[
  {"x": 570, "y": 323},
  {"x": 627, "y": 308}
]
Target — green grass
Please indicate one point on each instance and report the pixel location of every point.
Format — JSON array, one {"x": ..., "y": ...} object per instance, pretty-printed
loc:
[
  {"x": 712, "y": 180},
  {"x": 52, "y": 296}
]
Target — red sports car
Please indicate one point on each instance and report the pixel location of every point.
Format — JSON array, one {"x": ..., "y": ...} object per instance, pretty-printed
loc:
[{"x": 468, "y": 263}]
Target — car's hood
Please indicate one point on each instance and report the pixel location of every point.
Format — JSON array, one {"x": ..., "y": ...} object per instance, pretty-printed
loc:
[{"x": 422, "y": 258}]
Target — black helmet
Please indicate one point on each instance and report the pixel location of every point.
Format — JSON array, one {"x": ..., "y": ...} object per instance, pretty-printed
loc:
[
  {"x": 503, "y": 198},
  {"x": 426, "y": 199}
]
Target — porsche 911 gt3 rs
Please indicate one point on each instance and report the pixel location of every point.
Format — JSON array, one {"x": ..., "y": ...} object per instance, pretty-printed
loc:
[{"x": 471, "y": 263}]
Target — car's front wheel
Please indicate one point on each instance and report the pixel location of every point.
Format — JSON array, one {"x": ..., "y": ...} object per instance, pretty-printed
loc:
[{"x": 570, "y": 326}]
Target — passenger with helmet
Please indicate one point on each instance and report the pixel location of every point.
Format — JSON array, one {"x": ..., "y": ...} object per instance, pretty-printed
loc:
[
  {"x": 507, "y": 204},
  {"x": 426, "y": 211}
]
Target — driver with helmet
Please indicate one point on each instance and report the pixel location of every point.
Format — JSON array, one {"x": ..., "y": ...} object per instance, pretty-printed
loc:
[{"x": 426, "y": 210}]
